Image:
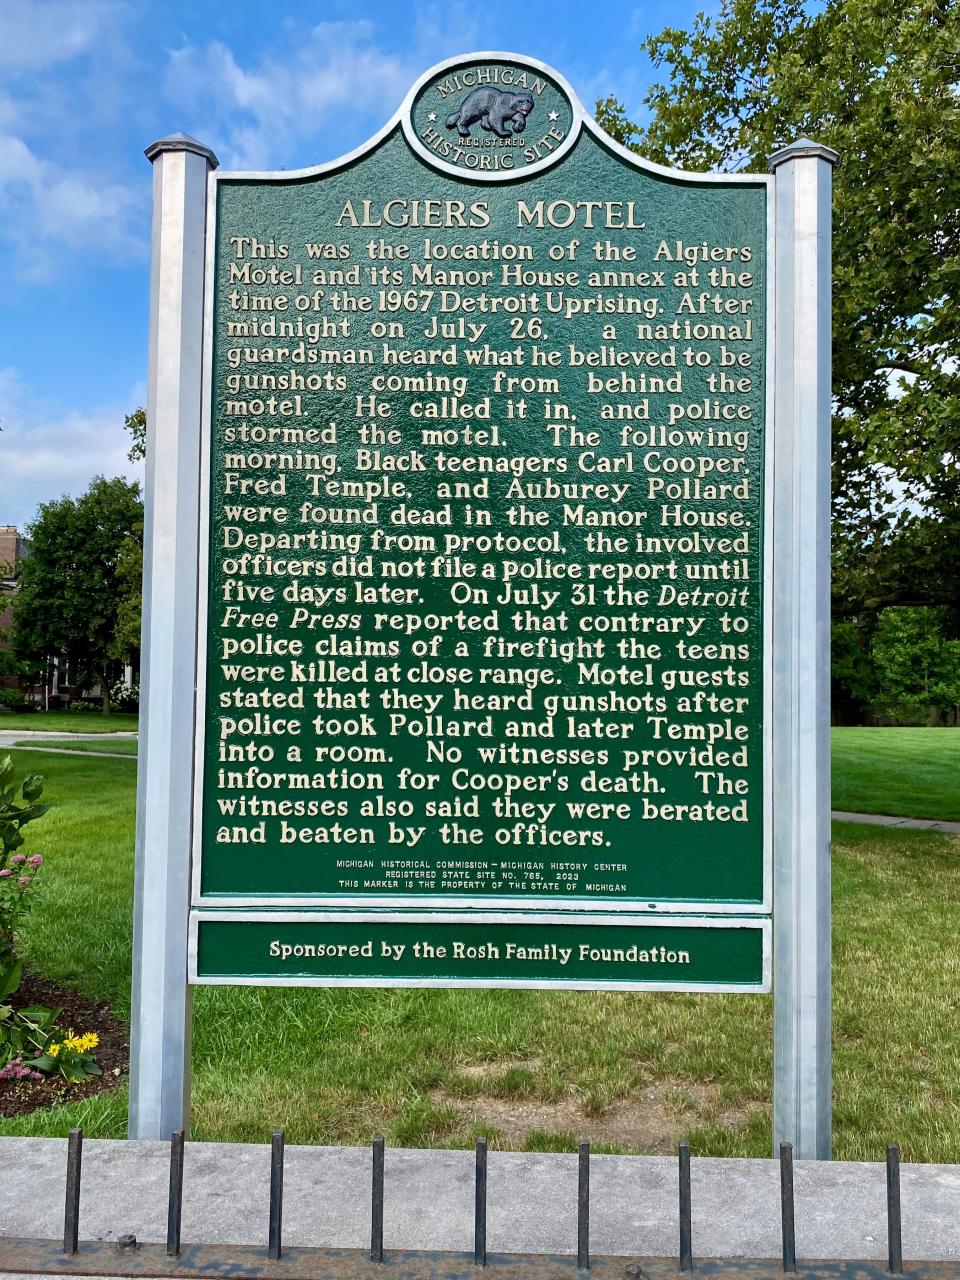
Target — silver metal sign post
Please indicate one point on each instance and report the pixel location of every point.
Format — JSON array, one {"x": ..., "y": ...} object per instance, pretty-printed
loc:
[
  {"x": 160, "y": 1021},
  {"x": 801, "y": 651}
]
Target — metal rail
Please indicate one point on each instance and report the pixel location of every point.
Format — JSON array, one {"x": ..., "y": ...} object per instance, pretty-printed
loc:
[{"x": 128, "y": 1257}]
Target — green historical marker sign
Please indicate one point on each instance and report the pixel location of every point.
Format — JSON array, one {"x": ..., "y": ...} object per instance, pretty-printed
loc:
[
  {"x": 483, "y": 590},
  {"x": 486, "y": 562}
]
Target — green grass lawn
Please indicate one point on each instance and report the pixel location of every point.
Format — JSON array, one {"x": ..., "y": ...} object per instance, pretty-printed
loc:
[
  {"x": 69, "y": 721},
  {"x": 532, "y": 1070},
  {"x": 96, "y": 746},
  {"x": 911, "y": 773}
]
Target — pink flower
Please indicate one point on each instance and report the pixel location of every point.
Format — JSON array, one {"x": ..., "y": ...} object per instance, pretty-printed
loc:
[
  {"x": 36, "y": 860},
  {"x": 18, "y": 859},
  {"x": 17, "y": 1070},
  {"x": 24, "y": 881},
  {"x": 4, "y": 872}
]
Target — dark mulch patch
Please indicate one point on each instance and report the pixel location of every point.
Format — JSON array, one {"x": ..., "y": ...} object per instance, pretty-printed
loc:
[{"x": 18, "y": 1097}]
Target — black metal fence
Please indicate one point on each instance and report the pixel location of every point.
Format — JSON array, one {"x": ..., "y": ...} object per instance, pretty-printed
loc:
[{"x": 129, "y": 1257}]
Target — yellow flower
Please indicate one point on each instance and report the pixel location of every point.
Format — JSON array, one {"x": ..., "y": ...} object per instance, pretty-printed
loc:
[
  {"x": 89, "y": 1040},
  {"x": 53, "y": 1050}
]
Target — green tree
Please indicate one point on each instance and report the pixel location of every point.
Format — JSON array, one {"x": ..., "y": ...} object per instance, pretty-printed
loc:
[
  {"x": 903, "y": 662},
  {"x": 126, "y": 641},
  {"x": 917, "y": 663},
  {"x": 73, "y": 582},
  {"x": 126, "y": 636},
  {"x": 854, "y": 679},
  {"x": 136, "y": 424},
  {"x": 879, "y": 83}
]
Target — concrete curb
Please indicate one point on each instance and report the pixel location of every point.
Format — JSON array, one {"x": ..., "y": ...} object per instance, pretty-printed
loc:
[{"x": 841, "y": 1207}]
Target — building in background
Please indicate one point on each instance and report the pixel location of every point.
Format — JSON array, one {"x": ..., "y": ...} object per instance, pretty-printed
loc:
[
  {"x": 11, "y": 553},
  {"x": 47, "y": 689}
]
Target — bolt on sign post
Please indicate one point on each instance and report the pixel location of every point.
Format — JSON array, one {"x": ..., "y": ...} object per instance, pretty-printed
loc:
[{"x": 502, "y": 465}]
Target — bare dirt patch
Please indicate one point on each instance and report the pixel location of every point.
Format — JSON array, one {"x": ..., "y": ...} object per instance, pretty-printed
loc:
[
  {"x": 495, "y": 1070},
  {"x": 653, "y": 1122}
]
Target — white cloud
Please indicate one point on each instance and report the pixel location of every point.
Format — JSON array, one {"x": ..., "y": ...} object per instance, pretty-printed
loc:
[
  {"x": 36, "y": 34},
  {"x": 333, "y": 73},
  {"x": 45, "y": 208},
  {"x": 332, "y": 77},
  {"x": 61, "y": 61},
  {"x": 441, "y": 31},
  {"x": 47, "y": 450}
]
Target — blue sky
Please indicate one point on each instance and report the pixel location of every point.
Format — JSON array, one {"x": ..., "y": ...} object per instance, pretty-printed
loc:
[{"x": 85, "y": 85}]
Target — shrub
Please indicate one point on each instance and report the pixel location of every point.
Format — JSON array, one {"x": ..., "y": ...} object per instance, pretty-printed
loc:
[
  {"x": 18, "y": 871},
  {"x": 25, "y": 1033},
  {"x": 11, "y": 700},
  {"x": 30, "y": 1040},
  {"x": 125, "y": 697}
]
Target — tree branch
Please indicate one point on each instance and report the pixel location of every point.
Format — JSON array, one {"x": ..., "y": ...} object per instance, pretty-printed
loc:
[{"x": 846, "y": 607}]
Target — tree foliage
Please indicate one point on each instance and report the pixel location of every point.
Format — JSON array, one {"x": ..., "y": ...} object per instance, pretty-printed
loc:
[
  {"x": 918, "y": 664},
  {"x": 901, "y": 663},
  {"x": 136, "y": 424},
  {"x": 879, "y": 83},
  {"x": 126, "y": 635},
  {"x": 76, "y": 578}
]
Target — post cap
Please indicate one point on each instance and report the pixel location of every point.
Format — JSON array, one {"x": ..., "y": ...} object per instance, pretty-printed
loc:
[
  {"x": 803, "y": 149},
  {"x": 181, "y": 142}
]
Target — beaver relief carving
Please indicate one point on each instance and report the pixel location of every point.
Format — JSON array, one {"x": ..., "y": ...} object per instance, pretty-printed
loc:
[{"x": 495, "y": 109}]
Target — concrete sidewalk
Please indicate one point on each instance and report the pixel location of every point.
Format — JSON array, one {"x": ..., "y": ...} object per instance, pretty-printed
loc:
[
  {"x": 8, "y": 736},
  {"x": 36, "y": 737},
  {"x": 532, "y": 1198},
  {"x": 886, "y": 820},
  {"x": 66, "y": 751}
]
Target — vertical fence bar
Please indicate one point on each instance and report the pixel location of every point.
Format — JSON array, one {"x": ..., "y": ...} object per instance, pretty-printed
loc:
[
  {"x": 787, "y": 1220},
  {"x": 583, "y": 1207},
  {"x": 894, "y": 1235},
  {"x": 175, "y": 1200},
  {"x": 480, "y": 1206},
  {"x": 376, "y": 1203},
  {"x": 686, "y": 1215},
  {"x": 71, "y": 1208},
  {"x": 276, "y": 1196}
]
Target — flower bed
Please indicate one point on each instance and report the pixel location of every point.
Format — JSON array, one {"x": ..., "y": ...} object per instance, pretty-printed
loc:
[
  {"x": 18, "y": 1097},
  {"x": 46, "y": 1045}
]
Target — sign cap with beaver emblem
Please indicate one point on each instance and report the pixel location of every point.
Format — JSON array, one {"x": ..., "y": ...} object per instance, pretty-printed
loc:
[{"x": 492, "y": 116}]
